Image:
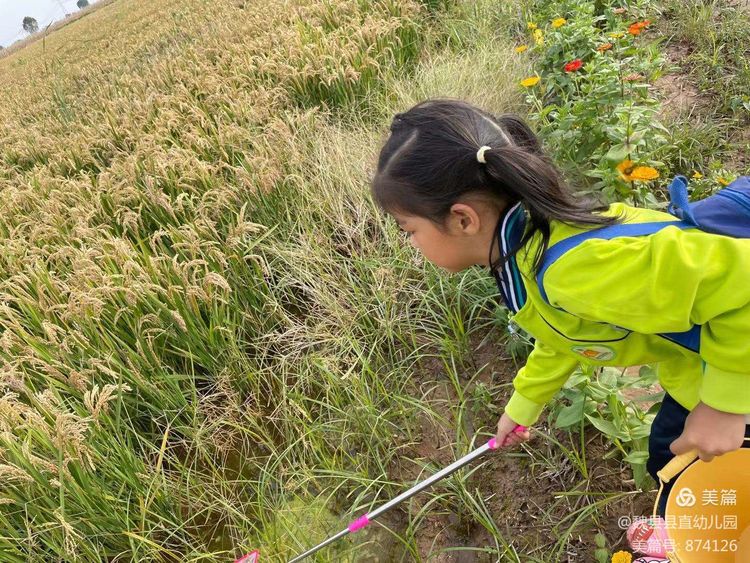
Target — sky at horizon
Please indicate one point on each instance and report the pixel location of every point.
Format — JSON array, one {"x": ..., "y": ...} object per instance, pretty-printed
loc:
[{"x": 45, "y": 12}]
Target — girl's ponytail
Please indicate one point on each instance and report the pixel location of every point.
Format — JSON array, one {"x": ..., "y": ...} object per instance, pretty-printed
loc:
[
  {"x": 516, "y": 173},
  {"x": 437, "y": 153},
  {"x": 520, "y": 133}
]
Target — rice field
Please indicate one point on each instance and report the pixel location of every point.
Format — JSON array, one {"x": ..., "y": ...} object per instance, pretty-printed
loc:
[{"x": 211, "y": 339}]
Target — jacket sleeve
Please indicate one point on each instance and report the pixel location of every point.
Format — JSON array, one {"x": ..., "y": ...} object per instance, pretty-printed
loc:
[
  {"x": 666, "y": 282},
  {"x": 544, "y": 374}
]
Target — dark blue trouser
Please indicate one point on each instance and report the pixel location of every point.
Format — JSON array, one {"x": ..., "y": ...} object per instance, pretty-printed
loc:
[{"x": 666, "y": 428}]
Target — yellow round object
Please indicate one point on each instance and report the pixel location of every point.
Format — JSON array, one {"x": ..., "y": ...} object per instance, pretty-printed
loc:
[{"x": 708, "y": 511}]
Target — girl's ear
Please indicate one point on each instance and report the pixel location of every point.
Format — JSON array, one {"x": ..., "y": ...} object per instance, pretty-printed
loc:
[{"x": 464, "y": 219}]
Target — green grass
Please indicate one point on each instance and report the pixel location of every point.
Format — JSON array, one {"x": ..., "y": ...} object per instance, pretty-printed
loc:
[
  {"x": 710, "y": 41},
  {"x": 213, "y": 340},
  {"x": 716, "y": 34}
]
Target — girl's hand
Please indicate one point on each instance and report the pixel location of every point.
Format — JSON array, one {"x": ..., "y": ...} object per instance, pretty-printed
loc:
[
  {"x": 505, "y": 435},
  {"x": 711, "y": 432}
]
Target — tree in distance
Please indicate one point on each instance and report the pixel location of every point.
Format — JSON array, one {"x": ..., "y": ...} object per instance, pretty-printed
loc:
[{"x": 30, "y": 25}]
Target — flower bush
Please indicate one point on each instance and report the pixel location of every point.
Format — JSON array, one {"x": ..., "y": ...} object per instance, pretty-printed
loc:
[{"x": 594, "y": 108}]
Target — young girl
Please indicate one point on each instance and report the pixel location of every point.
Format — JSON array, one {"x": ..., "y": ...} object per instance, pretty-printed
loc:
[{"x": 470, "y": 188}]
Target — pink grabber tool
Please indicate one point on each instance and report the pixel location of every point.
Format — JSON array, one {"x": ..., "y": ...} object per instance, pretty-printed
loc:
[{"x": 365, "y": 519}]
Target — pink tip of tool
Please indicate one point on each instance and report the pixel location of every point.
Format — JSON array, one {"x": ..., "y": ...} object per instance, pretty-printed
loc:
[
  {"x": 359, "y": 523},
  {"x": 493, "y": 445},
  {"x": 252, "y": 557}
]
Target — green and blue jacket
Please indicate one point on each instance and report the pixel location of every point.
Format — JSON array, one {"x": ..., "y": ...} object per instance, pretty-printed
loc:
[{"x": 609, "y": 301}]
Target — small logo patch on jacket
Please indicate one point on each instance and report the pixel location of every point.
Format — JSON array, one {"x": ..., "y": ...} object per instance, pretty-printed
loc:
[{"x": 598, "y": 352}]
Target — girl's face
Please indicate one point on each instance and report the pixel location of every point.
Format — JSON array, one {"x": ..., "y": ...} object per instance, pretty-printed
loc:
[{"x": 463, "y": 242}]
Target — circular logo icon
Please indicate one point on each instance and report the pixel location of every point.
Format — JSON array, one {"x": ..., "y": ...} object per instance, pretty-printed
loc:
[{"x": 685, "y": 497}]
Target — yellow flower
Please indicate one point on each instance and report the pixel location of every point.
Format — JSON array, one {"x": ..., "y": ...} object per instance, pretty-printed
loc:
[
  {"x": 559, "y": 22},
  {"x": 530, "y": 81},
  {"x": 521, "y": 48},
  {"x": 531, "y": 25},
  {"x": 538, "y": 37},
  {"x": 617, "y": 35},
  {"x": 723, "y": 181},
  {"x": 622, "y": 557},
  {"x": 697, "y": 175},
  {"x": 632, "y": 173}
]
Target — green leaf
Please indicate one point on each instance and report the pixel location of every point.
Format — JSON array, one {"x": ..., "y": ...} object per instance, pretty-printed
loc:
[
  {"x": 617, "y": 153},
  {"x": 640, "y": 475},
  {"x": 636, "y": 457},
  {"x": 572, "y": 414},
  {"x": 607, "y": 427},
  {"x": 597, "y": 392},
  {"x": 640, "y": 432},
  {"x": 637, "y": 136},
  {"x": 575, "y": 379},
  {"x": 608, "y": 378},
  {"x": 600, "y": 539}
]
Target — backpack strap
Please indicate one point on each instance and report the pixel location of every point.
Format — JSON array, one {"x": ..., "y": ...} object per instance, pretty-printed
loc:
[
  {"x": 689, "y": 339},
  {"x": 606, "y": 233}
]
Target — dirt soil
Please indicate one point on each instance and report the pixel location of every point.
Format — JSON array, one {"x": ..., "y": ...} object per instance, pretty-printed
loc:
[
  {"x": 682, "y": 98},
  {"x": 524, "y": 493},
  {"x": 677, "y": 90}
]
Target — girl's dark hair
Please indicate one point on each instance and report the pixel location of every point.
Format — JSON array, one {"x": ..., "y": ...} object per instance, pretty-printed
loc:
[{"x": 430, "y": 161}]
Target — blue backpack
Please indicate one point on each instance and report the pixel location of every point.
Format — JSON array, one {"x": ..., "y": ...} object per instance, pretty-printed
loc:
[{"x": 727, "y": 212}]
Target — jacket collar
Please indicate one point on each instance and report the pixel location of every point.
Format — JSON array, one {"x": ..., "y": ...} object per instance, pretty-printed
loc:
[{"x": 510, "y": 229}]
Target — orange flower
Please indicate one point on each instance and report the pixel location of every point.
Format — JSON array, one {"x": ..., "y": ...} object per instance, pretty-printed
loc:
[
  {"x": 573, "y": 65},
  {"x": 625, "y": 168},
  {"x": 638, "y": 27},
  {"x": 631, "y": 173},
  {"x": 723, "y": 181},
  {"x": 605, "y": 47},
  {"x": 644, "y": 173},
  {"x": 632, "y": 77}
]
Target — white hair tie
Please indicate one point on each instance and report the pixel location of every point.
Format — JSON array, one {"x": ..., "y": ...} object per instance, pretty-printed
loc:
[{"x": 480, "y": 154}]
